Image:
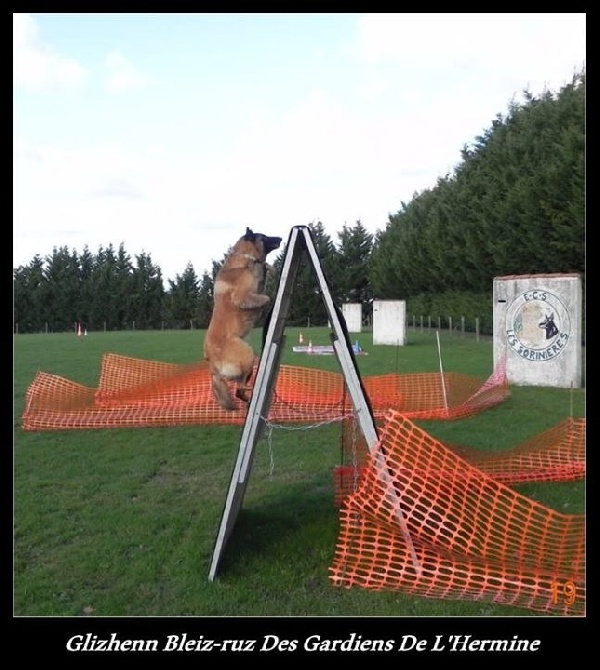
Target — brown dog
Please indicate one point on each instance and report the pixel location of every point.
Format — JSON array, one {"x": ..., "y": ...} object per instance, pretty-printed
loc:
[{"x": 239, "y": 300}]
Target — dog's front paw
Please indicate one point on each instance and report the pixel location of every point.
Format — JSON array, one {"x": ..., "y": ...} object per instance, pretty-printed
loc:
[{"x": 250, "y": 300}]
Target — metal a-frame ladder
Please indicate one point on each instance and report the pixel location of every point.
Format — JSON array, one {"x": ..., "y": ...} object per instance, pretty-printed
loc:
[{"x": 300, "y": 243}]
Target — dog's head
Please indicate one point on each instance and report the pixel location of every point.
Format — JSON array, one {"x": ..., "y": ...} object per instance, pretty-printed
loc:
[{"x": 263, "y": 244}]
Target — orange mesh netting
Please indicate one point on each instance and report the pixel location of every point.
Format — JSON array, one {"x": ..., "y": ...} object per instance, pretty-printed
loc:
[
  {"x": 472, "y": 536},
  {"x": 556, "y": 455},
  {"x": 139, "y": 393}
]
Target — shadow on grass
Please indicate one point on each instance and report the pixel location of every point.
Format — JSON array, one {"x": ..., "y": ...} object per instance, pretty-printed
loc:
[{"x": 281, "y": 523}]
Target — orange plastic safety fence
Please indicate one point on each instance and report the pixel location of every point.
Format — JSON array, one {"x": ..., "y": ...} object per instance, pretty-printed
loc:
[
  {"x": 473, "y": 537},
  {"x": 555, "y": 455},
  {"x": 427, "y": 396},
  {"x": 139, "y": 393}
]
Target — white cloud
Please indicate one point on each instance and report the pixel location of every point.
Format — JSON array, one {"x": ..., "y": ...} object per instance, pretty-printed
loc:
[
  {"x": 123, "y": 76},
  {"x": 337, "y": 158},
  {"x": 78, "y": 172},
  {"x": 117, "y": 187},
  {"x": 100, "y": 194},
  {"x": 325, "y": 160},
  {"x": 539, "y": 46},
  {"x": 36, "y": 66}
]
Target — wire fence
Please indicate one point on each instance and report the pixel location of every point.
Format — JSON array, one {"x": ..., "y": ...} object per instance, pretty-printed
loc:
[{"x": 461, "y": 326}]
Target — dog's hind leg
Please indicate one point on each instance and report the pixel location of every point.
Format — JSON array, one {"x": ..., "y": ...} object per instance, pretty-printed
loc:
[
  {"x": 244, "y": 389},
  {"x": 221, "y": 392}
]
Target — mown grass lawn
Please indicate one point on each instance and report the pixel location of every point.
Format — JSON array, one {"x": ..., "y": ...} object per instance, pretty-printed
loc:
[{"x": 122, "y": 522}]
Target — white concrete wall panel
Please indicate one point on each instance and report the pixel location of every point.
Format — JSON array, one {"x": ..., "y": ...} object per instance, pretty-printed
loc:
[
  {"x": 537, "y": 325},
  {"x": 352, "y": 312},
  {"x": 389, "y": 322}
]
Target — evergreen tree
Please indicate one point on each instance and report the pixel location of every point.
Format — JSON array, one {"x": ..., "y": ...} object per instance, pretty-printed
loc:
[
  {"x": 514, "y": 205},
  {"x": 147, "y": 294},
  {"x": 62, "y": 294},
  {"x": 104, "y": 300},
  {"x": 182, "y": 299},
  {"x": 307, "y": 307},
  {"x": 86, "y": 271},
  {"x": 123, "y": 289},
  {"x": 354, "y": 250},
  {"x": 205, "y": 300},
  {"x": 29, "y": 296}
]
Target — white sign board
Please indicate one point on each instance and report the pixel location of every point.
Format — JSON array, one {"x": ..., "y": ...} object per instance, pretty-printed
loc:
[
  {"x": 389, "y": 322},
  {"x": 537, "y": 325},
  {"x": 352, "y": 312}
]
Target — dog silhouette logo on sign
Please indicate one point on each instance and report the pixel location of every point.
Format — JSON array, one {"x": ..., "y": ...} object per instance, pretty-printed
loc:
[
  {"x": 549, "y": 326},
  {"x": 538, "y": 325}
]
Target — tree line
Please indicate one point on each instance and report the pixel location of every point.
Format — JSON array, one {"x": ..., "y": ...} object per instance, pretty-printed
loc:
[
  {"x": 515, "y": 204},
  {"x": 110, "y": 290}
]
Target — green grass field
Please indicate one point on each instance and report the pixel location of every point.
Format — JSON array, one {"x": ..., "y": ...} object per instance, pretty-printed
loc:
[{"x": 122, "y": 522}]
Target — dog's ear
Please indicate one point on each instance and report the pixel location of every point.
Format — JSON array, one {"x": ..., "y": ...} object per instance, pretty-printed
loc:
[{"x": 249, "y": 236}]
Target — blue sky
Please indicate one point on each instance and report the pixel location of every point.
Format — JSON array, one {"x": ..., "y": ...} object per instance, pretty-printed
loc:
[{"x": 171, "y": 133}]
